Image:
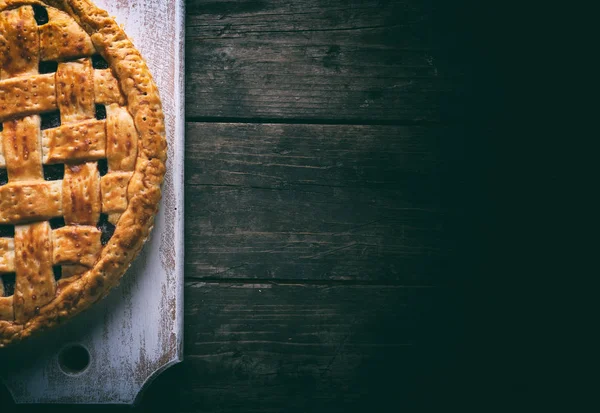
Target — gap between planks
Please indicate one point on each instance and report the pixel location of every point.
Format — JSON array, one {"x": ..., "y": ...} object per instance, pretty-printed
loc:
[
  {"x": 192, "y": 280},
  {"x": 317, "y": 121}
]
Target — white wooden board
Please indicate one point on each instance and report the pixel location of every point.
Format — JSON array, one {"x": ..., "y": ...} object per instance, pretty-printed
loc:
[{"x": 137, "y": 331}]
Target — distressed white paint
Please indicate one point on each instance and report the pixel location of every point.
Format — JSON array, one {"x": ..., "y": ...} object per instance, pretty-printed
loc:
[{"x": 137, "y": 331}]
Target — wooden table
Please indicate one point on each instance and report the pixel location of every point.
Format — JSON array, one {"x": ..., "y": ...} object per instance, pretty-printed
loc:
[{"x": 323, "y": 185}]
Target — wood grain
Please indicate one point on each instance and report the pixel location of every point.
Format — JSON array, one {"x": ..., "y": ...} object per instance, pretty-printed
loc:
[
  {"x": 315, "y": 227},
  {"x": 317, "y": 202},
  {"x": 270, "y": 347},
  {"x": 273, "y": 347},
  {"x": 359, "y": 61}
]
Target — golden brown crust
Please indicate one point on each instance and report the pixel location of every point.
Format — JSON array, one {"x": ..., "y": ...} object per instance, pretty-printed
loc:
[
  {"x": 76, "y": 245},
  {"x": 81, "y": 194},
  {"x": 33, "y": 261},
  {"x": 7, "y": 257},
  {"x": 106, "y": 88},
  {"x": 121, "y": 139},
  {"x": 75, "y": 91},
  {"x": 22, "y": 149},
  {"x": 22, "y": 202},
  {"x": 62, "y": 38},
  {"x": 21, "y": 57},
  {"x": 143, "y": 192},
  {"x": 2, "y": 160},
  {"x": 84, "y": 141},
  {"x": 7, "y": 310},
  {"x": 27, "y": 95},
  {"x": 114, "y": 191}
]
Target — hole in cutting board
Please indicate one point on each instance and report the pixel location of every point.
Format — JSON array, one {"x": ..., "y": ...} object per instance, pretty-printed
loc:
[{"x": 74, "y": 359}]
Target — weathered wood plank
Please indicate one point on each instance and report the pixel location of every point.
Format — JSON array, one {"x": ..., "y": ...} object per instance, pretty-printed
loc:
[
  {"x": 269, "y": 347},
  {"x": 317, "y": 202},
  {"x": 297, "y": 348},
  {"x": 319, "y": 59}
]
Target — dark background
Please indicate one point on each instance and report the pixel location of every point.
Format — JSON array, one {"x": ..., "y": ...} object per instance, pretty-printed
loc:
[{"x": 356, "y": 212}]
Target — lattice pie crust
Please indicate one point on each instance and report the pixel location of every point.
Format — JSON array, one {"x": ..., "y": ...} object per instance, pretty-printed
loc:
[{"x": 82, "y": 158}]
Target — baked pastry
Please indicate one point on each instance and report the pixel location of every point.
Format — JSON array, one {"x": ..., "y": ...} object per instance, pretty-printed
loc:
[{"x": 82, "y": 158}]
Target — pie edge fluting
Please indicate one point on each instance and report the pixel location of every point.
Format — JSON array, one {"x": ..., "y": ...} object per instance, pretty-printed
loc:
[{"x": 144, "y": 191}]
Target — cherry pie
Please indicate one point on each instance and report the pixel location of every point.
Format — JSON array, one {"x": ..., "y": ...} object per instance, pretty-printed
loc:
[{"x": 82, "y": 158}]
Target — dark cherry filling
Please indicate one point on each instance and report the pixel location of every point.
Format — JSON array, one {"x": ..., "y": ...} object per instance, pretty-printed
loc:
[
  {"x": 57, "y": 269},
  {"x": 100, "y": 112},
  {"x": 50, "y": 120},
  {"x": 9, "y": 283},
  {"x": 54, "y": 172},
  {"x": 107, "y": 229},
  {"x": 48, "y": 67},
  {"x": 102, "y": 167},
  {"x": 98, "y": 62},
  {"x": 40, "y": 14},
  {"x": 56, "y": 223},
  {"x": 7, "y": 231}
]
